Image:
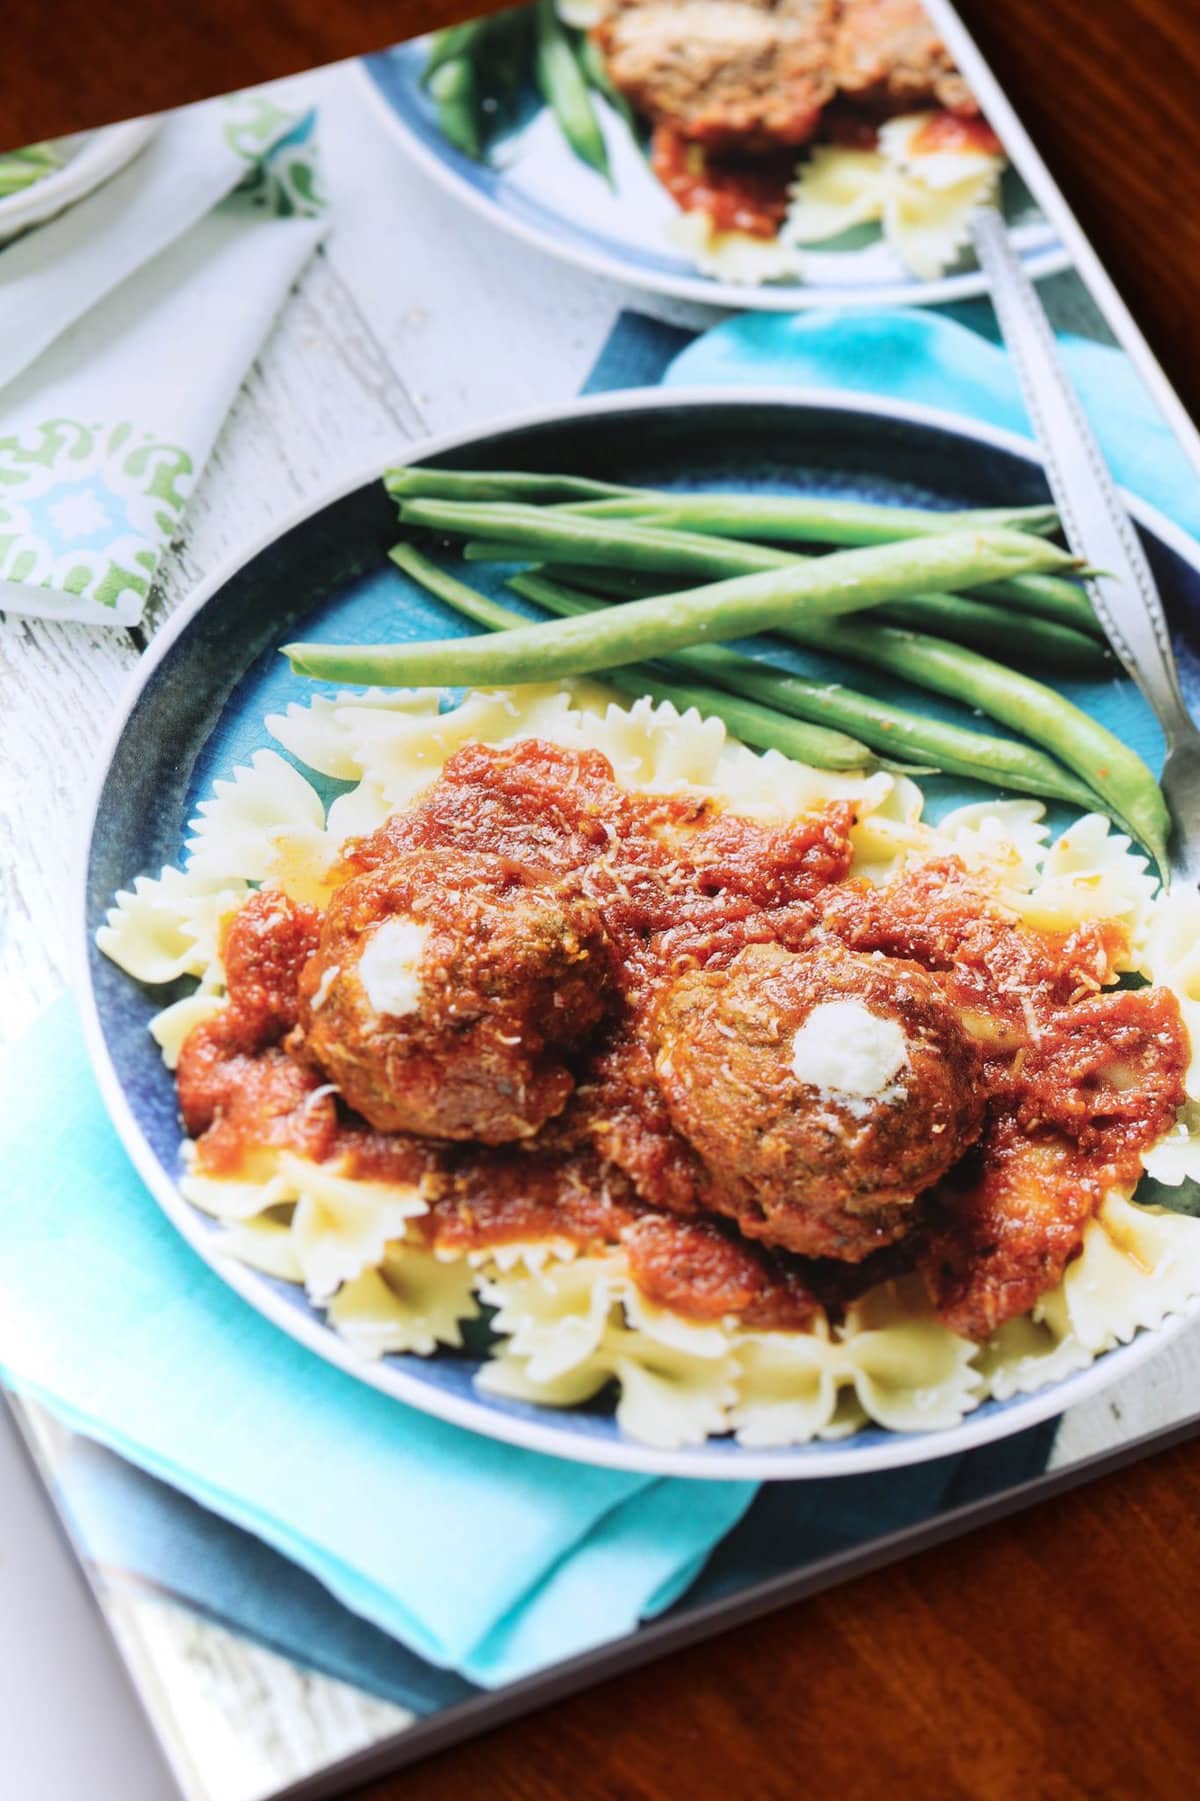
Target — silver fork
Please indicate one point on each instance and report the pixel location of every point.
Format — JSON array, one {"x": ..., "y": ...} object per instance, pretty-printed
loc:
[{"x": 1097, "y": 528}]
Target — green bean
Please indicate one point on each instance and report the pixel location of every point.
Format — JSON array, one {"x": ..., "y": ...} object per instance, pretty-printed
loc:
[
  {"x": 418, "y": 482},
  {"x": 1050, "y": 596},
  {"x": 609, "y": 584},
  {"x": 787, "y": 518},
  {"x": 761, "y": 726},
  {"x": 591, "y": 60},
  {"x": 811, "y": 519},
  {"x": 1117, "y": 774},
  {"x": 554, "y": 536},
  {"x": 966, "y": 619},
  {"x": 576, "y": 538},
  {"x": 842, "y": 582},
  {"x": 449, "y": 45},
  {"x": 454, "y": 88},
  {"x": 980, "y": 756},
  {"x": 564, "y": 88},
  {"x": 502, "y": 62},
  {"x": 986, "y": 626},
  {"x": 756, "y": 724},
  {"x": 1045, "y": 598}
]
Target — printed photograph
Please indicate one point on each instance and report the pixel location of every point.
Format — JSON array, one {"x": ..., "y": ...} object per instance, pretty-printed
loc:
[{"x": 600, "y": 922}]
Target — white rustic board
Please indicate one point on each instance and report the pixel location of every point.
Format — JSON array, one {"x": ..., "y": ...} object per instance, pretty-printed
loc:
[{"x": 416, "y": 318}]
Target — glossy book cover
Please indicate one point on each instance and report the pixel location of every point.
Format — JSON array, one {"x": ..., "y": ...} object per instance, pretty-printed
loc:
[{"x": 546, "y": 1127}]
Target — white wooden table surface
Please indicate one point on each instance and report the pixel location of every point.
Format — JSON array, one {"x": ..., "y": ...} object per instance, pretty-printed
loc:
[{"x": 416, "y": 318}]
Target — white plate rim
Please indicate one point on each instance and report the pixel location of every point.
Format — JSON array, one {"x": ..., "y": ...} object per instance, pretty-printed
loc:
[
  {"x": 108, "y": 150},
  {"x": 476, "y": 1415},
  {"x": 700, "y": 288}
]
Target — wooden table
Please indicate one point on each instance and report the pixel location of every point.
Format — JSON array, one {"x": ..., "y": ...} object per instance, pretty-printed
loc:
[{"x": 1052, "y": 1655}]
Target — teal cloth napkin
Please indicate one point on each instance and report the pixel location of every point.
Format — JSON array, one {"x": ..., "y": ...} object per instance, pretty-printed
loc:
[{"x": 478, "y": 1556}]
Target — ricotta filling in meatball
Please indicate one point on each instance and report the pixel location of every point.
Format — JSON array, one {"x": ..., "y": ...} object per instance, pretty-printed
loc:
[
  {"x": 844, "y": 1048},
  {"x": 390, "y": 965}
]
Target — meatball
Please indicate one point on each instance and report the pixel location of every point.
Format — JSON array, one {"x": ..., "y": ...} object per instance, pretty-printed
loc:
[
  {"x": 445, "y": 991},
  {"x": 824, "y": 1091},
  {"x": 743, "y": 74},
  {"x": 888, "y": 56}
]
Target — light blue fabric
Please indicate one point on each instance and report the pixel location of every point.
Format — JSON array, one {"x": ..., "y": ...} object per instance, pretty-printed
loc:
[
  {"x": 946, "y": 362},
  {"x": 478, "y": 1556}
]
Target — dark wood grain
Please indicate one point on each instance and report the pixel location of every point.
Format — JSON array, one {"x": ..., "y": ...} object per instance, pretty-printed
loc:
[
  {"x": 1053, "y": 1656},
  {"x": 1049, "y": 1658}
]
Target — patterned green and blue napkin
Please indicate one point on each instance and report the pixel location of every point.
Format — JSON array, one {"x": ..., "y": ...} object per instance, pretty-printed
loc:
[{"x": 126, "y": 327}]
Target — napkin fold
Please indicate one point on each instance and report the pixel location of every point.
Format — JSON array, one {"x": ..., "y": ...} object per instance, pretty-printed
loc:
[
  {"x": 126, "y": 327},
  {"x": 478, "y": 1556}
]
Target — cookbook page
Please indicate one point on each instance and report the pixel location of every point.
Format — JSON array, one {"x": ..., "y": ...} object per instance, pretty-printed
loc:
[{"x": 647, "y": 1060}]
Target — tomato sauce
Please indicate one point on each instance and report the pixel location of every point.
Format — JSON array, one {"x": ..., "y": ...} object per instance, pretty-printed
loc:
[
  {"x": 1078, "y": 1077},
  {"x": 746, "y": 193},
  {"x": 952, "y": 132}
]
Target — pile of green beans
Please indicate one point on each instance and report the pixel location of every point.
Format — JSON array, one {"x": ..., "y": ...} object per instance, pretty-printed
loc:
[
  {"x": 554, "y": 534},
  {"x": 786, "y": 519},
  {"x": 515, "y": 532},
  {"x": 772, "y": 699},
  {"x": 817, "y": 519},
  {"x": 941, "y": 588},
  {"x": 1111, "y": 769},
  {"x": 845, "y": 581},
  {"x": 764, "y": 726},
  {"x": 777, "y": 519},
  {"x": 474, "y": 71}
]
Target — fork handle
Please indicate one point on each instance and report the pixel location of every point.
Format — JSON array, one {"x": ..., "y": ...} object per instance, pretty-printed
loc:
[{"x": 1097, "y": 526}]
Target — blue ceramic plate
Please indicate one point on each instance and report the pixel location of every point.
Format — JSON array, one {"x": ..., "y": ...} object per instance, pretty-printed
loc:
[
  {"x": 203, "y": 690},
  {"x": 534, "y": 186}
]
